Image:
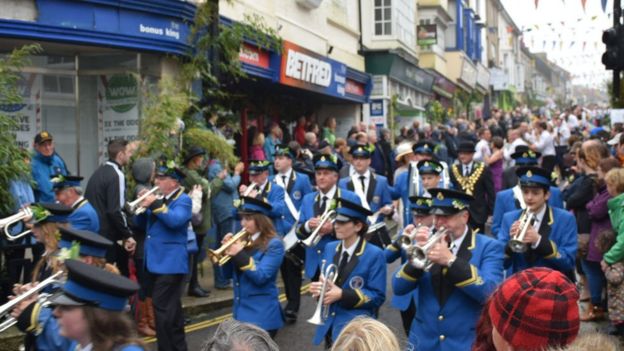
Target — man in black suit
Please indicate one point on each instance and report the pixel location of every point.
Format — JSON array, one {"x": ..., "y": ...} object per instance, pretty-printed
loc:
[{"x": 474, "y": 178}]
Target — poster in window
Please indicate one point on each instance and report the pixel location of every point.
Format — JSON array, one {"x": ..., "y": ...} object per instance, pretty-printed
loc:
[
  {"x": 117, "y": 108},
  {"x": 27, "y": 114},
  {"x": 426, "y": 35}
]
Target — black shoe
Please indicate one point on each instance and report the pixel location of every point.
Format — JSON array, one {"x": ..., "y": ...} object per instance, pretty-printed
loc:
[
  {"x": 290, "y": 317},
  {"x": 198, "y": 292}
]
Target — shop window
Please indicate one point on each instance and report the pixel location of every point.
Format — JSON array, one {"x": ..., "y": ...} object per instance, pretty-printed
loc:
[
  {"x": 406, "y": 22},
  {"x": 383, "y": 17}
]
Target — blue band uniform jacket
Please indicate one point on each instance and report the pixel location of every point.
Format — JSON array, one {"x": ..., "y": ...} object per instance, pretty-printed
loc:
[
  {"x": 84, "y": 217},
  {"x": 256, "y": 296},
  {"x": 401, "y": 190},
  {"x": 377, "y": 194},
  {"x": 298, "y": 186},
  {"x": 274, "y": 195},
  {"x": 393, "y": 252},
  {"x": 363, "y": 284},
  {"x": 310, "y": 208},
  {"x": 507, "y": 202},
  {"x": 557, "y": 248},
  {"x": 450, "y": 300},
  {"x": 166, "y": 224}
]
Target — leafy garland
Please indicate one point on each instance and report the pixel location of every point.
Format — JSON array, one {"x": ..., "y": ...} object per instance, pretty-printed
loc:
[
  {"x": 12, "y": 158},
  {"x": 468, "y": 183}
]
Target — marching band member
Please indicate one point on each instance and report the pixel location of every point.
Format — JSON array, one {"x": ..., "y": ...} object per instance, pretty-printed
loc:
[
  {"x": 166, "y": 257},
  {"x": 409, "y": 183},
  {"x": 453, "y": 291},
  {"x": 90, "y": 310},
  {"x": 256, "y": 265},
  {"x": 315, "y": 204},
  {"x": 430, "y": 175},
  {"x": 372, "y": 189},
  {"x": 296, "y": 185},
  {"x": 551, "y": 237},
  {"x": 259, "y": 176},
  {"x": 37, "y": 320},
  {"x": 421, "y": 208},
  {"x": 474, "y": 178},
  {"x": 68, "y": 192},
  {"x": 359, "y": 287},
  {"x": 511, "y": 199}
]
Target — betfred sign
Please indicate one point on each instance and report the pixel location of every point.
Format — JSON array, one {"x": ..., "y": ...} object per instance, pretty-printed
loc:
[
  {"x": 254, "y": 56},
  {"x": 305, "y": 69}
]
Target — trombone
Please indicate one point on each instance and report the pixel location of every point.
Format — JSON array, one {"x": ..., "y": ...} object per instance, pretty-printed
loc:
[
  {"x": 5, "y": 310},
  {"x": 135, "y": 207},
  {"x": 322, "y": 311},
  {"x": 315, "y": 237},
  {"x": 7, "y": 222},
  {"x": 219, "y": 256},
  {"x": 516, "y": 244}
]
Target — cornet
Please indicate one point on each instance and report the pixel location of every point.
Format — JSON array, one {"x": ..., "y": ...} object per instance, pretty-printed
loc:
[
  {"x": 315, "y": 237},
  {"x": 516, "y": 244},
  {"x": 135, "y": 207},
  {"x": 219, "y": 256},
  {"x": 322, "y": 312},
  {"x": 6, "y": 223},
  {"x": 418, "y": 253},
  {"x": 5, "y": 310}
]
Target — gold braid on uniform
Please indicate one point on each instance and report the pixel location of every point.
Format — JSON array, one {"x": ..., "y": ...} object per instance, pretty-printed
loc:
[{"x": 468, "y": 183}]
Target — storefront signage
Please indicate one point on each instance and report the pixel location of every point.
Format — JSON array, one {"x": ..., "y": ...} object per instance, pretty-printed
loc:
[
  {"x": 118, "y": 112},
  {"x": 498, "y": 79},
  {"x": 305, "y": 69},
  {"x": 468, "y": 73},
  {"x": 411, "y": 75},
  {"x": 254, "y": 56},
  {"x": 426, "y": 34},
  {"x": 483, "y": 76},
  {"x": 376, "y": 108},
  {"x": 355, "y": 88},
  {"x": 27, "y": 115}
]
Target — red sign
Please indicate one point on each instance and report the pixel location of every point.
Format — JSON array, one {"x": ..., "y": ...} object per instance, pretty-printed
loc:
[
  {"x": 355, "y": 88},
  {"x": 255, "y": 56}
]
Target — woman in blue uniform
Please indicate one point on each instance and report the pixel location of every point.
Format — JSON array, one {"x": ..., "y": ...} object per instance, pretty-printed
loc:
[
  {"x": 90, "y": 310},
  {"x": 256, "y": 298},
  {"x": 360, "y": 285}
]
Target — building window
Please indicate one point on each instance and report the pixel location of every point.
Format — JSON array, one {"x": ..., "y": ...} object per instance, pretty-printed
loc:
[
  {"x": 383, "y": 17},
  {"x": 406, "y": 21}
]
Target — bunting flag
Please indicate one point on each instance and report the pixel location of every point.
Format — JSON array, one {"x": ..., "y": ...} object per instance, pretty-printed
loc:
[
  {"x": 584, "y": 45},
  {"x": 560, "y": 45},
  {"x": 544, "y": 45},
  {"x": 509, "y": 29},
  {"x": 536, "y": 2},
  {"x": 583, "y": 3},
  {"x": 604, "y": 5},
  {"x": 554, "y": 43},
  {"x": 595, "y": 45},
  {"x": 571, "y": 44}
]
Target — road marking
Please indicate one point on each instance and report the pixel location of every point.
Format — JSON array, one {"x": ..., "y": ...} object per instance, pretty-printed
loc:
[{"x": 217, "y": 320}]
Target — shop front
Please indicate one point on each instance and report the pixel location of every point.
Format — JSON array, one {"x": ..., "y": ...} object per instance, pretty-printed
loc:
[{"x": 82, "y": 87}]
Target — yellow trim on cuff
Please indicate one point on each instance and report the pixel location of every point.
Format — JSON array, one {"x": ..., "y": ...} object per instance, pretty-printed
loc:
[
  {"x": 34, "y": 318},
  {"x": 403, "y": 275},
  {"x": 161, "y": 209},
  {"x": 392, "y": 248},
  {"x": 362, "y": 298},
  {"x": 474, "y": 278},
  {"x": 251, "y": 266},
  {"x": 555, "y": 253}
]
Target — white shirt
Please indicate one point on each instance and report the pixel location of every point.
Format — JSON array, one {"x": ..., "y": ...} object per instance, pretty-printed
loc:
[
  {"x": 330, "y": 195},
  {"x": 77, "y": 201},
  {"x": 545, "y": 144},
  {"x": 564, "y": 134},
  {"x": 469, "y": 166},
  {"x": 572, "y": 121},
  {"x": 511, "y": 149},
  {"x": 482, "y": 150},
  {"x": 366, "y": 175},
  {"x": 456, "y": 244},
  {"x": 255, "y": 236},
  {"x": 281, "y": 175},
  {"x": 350, "y": 250}
]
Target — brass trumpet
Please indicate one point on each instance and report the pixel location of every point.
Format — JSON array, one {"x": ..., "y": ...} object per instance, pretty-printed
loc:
[
  {"x": 5, "y": 310},
  {"x": 516, "y": 244},
  {"x": 219, "y": 256},
  {"x": 315, "y": 237},
  {"x": 135, "y": 207},
  {"x": 7, "y": 222},
  {"x": 250, "y": 188},
  {"x": 418, "y": 253},
  {"x": 322, "y": 312}
]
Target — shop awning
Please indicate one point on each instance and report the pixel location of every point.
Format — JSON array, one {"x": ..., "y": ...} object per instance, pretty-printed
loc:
[{"x": 407, "y": 111}]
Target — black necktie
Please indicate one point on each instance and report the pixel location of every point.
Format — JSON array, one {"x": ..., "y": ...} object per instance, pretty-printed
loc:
[
  {"x": 323, "y": 203},
  {"x": 343, "y": 262},
  {"x": 362, "y": 180},
  {"x": 466, "y": 170},
  {"x": 284, "y": 180}
]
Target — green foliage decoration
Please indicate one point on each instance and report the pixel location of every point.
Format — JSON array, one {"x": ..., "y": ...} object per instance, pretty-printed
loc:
[{"x": 12, "y": 158}]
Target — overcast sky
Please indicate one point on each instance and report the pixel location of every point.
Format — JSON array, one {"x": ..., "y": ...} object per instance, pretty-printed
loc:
[{"x": 579, "y": 26}]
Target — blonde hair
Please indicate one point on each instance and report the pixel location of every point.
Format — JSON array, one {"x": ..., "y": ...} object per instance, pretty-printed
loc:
[
  {"x": 50, "y": 239},
  {"x": 366, "y": 334},
  {"x": 592, "y": 151},
  {"x": 615, "y": 179}
]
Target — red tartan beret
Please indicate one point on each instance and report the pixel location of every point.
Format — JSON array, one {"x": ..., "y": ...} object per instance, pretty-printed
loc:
[{"x": 536, "y": 308}]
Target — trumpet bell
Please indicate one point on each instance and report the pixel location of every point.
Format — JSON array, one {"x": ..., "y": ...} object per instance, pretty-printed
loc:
[
  {"x": 219, "y": 256},
  {"x": 518, "y": 246}
]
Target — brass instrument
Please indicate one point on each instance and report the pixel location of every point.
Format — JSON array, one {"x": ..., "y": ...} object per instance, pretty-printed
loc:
[
  {"x": 5, "y": 310},
  {"x": 249, "y": 189},
  {"x": 330, "y": 273},
  {"x": 135, "y": 207},
  {"x": 219, "y": 256},
  {"x": 7, "y": 222},
  {"x": 418, "y": 253},
  {"x": 516, "y": 244},
  {"x": 315, "y": 237}
]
